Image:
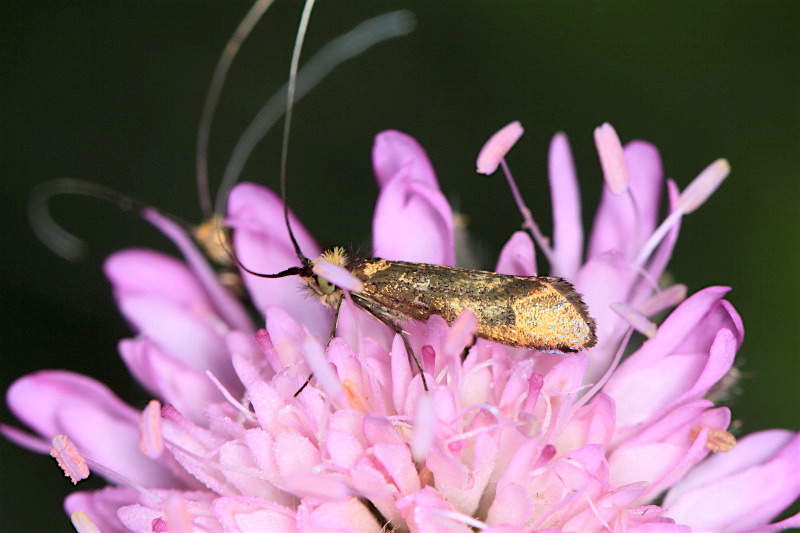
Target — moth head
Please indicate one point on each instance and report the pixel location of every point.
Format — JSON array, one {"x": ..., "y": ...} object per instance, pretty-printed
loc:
[{"x": 326, "y": 291}]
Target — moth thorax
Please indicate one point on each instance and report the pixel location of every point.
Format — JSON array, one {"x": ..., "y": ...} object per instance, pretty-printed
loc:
[
  {"x": 215, "y": 240},
  {"x": 328, "y": 293}
]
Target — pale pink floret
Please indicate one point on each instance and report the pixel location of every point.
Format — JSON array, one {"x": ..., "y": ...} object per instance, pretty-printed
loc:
[{"x": 505, "y": 441}]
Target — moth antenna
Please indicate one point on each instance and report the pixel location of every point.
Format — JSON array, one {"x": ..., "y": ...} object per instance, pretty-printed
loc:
[
  {"x": 52, "y": 234},
  {"x": 346, "y": 46},
  {"x": 212, "y": 99},
  {"x": 302, "y": 29},
  {"x": 291, "y": 271}
]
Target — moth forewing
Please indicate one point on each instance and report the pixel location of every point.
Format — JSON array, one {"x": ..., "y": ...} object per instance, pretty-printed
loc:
[{"x": 540, "y": 313}]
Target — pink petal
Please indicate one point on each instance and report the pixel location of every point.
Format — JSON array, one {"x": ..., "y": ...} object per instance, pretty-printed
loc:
[
  {"x": 137, "y": 272},
  {"x": 170, "y": 379},
  {"x": 224, "y": 302},
  {"x": 427, "y": 512},
  {"x": 693, "y": 326},
  {"x": 720, "y": 360},
  {"x": 343, "y": 449},
  {"x": 395, "y": 459},
  {"x": 747, "y": 497},
  {"x": 102, "y": 427},
  {"x": 591, "y": 424},
  {"x": 413, "y": 222},
  {"x": 295, "y": 454},
  {"x": 102, "y": 505},
  {"x": 239, "y": 514},
  {"x": 398, "y": 155},
  {"x": 262, "y": 244},
  {"x": 642, "y": 392},
  {"x": 496, "y": 148},
  {"x": 566, "y": 201},
  {"x": 647, "y": 177},
  {"x": 750, "y": 451},
  {"x": 178, "y": 332},
  {"x": 512, "y": 505},
  {"x": 617, "y": 224},
  {"x": 602, "y": 281},
  {"x": 518, "y": 257},
  {"x": 341, "y": 516}
]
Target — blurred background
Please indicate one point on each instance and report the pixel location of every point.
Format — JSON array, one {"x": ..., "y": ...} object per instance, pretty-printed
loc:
[{"x": 111, "y": 92}]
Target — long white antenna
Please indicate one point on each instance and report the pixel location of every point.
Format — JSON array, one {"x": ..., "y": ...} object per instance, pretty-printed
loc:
[
  {"x": 347, "y": 46},
  {"x": 302, "y": 29},
  {"x": 212, "y": 98}
]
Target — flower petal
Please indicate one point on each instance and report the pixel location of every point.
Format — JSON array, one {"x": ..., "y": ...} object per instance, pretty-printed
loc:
[
  {"x": 262, "y": 244},
  {"x": 518, "y": 257},
  {"x": 224, "y": 302},
  {"x": 102, "y": 505},
  {"x": 398, "y": 155},
  {"x": 619, "y": 224},
  {"x": 170, "y": 379},
  {"x": 413, "y": 222},
  {"x": 744, "y": 488},
  {"x": 102, "y": 427},
  {"x": 566, "y": 201}
]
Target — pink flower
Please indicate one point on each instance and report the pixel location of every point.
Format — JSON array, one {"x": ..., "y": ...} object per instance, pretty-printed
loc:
[{"x": 505, "y": 440}]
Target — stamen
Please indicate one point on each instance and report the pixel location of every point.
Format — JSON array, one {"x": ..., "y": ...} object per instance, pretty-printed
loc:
[
  {"x": 718, "y": 440},
  {"x": 698, "y": 191},
  {"x": 527, "y": 215},
  {"x": 496, "y": 148},
  {"x": 664, "y": 299},
  {"x": 703, "y": 186},
  {"x": 327, "y": 379},
  {"x": 82, "y": 523},
  {"x": 354, "y": 397},
  {"x": 179, "y": 518},
  {"x": 249, "y": 415},
  {"x": 637, "y": 320},
  {"x": 612, "y": 158},
  {"x": 611, "y": 368},
  {"x": 151, "y": 440},
  {"x": 69, "y": 459}
]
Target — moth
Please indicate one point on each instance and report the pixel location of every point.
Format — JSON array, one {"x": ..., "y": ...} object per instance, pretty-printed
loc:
[{"x": 539, "y": 312}]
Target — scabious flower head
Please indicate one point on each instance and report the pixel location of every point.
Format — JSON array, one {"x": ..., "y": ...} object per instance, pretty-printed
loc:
[{"x": 621, "y": 437}]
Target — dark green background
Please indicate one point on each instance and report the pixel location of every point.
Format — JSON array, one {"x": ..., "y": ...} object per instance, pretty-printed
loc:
[{"x": 111, "y": 92}]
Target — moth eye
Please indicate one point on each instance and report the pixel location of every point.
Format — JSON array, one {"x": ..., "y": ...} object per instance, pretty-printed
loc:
[{"x": 326, "y": 286}]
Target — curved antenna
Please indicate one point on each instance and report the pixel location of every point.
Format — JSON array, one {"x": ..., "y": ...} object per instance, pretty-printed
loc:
[
  {"x": 347, "y": 46},
  {"x": 52, "y": 234},
  {"x": 212, "y": 98},
  {"x": 302, "y": 29}
]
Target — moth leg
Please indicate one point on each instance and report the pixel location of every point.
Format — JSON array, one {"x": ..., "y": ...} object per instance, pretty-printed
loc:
[
  {"x": 334, "y": 327},
  {"x": 397, "y": 329}
]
